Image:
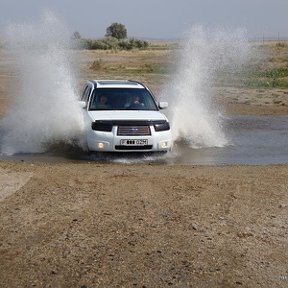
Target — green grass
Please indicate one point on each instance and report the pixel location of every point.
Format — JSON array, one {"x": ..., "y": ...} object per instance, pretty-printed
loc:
[
  {"x": 268, "y": 78},
  {"x": 274, "y": 73}
]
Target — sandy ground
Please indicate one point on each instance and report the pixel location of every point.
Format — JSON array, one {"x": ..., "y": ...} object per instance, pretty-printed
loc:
[
  {"x": 115, "y": 225},
  {"x": 88, "y": 224}
]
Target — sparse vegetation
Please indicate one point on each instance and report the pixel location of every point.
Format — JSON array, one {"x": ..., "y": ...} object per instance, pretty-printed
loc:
[
  {"x": 97, "y": 65},
  {"x": 138, "y": 64},
  {"x": 110, "y": 43},
  {"x": 115, "y": 39},
  {"x": 267, "y": 78},
  {"x": 281, "y": 45},
  {"x": 268, "y": 68}
]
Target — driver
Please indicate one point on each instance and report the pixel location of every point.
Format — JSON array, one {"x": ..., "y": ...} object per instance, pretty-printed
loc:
[{"x": 102, "y": 103}]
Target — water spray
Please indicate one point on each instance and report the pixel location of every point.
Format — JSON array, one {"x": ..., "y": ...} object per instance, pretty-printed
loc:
[
  {"x": 194, "y": 113},
  {"x": 44, "y": 109}
]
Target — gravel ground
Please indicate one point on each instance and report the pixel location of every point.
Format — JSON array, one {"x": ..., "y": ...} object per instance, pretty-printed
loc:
[{"x": 139, "y": 225}]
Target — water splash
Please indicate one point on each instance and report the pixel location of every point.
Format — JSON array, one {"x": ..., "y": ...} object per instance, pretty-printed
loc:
[
  {"x": 195, "y": 116},
  {"x": 45, "y": 107}
]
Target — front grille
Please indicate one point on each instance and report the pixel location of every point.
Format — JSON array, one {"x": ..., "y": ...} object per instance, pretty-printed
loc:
[
  {"x": 133, "y": 131},
  {"x": 126, "y": 148}
]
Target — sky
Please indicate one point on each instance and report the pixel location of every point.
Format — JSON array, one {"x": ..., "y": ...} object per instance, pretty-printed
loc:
[{"x": 154, "y": 19}]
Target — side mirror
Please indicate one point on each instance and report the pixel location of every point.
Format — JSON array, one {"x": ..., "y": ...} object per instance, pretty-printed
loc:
[
  {"x": 82, "y": 104},
  {"x": 162, "y": 105}
]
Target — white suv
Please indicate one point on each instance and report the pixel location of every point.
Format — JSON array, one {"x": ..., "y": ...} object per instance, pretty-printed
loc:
[{"x": 123, "y": 116}]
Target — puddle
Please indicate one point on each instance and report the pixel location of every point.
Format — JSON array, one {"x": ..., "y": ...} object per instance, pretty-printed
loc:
[{"x": 254, "y": 140}]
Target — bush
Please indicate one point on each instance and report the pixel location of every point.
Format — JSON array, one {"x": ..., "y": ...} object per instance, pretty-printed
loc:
[
  {"x": 125, "y": 45},
  {"x": 81, "y": 43},
  {"x": 109, "y": 43},
  {"x": 98, "y": 44},
  {"x": 138, "y": 43}
]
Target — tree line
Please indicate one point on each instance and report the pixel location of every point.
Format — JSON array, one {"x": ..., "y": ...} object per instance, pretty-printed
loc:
[{"x": 115, "y": 38}]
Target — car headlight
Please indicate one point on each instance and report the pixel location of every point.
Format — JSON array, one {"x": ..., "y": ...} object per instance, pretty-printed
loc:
[
  {"x": 102, "y": 126},
  {"x": 161, "y": 126},
  {"x": 164, "y": 144}
]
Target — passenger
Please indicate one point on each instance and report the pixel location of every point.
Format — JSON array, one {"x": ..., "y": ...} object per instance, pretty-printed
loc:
[
  {"x": 136, "y": 102},
  {"x": 102, "y": 103}
]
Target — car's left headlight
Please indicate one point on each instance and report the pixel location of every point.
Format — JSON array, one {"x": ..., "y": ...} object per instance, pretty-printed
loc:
[{"x": 104, "y": 126}]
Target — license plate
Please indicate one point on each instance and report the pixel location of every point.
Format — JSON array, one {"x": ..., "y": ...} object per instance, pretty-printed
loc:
[{"x": 133, "y": 142}]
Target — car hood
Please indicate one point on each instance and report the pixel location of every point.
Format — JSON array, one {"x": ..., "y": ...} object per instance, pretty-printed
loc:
[{"x": 126, "y": 115}]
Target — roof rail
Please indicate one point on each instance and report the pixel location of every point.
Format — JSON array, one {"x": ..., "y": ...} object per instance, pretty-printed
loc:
[
  {"x": 135, "y": 81},
  {"x": 94, "y": 82}
]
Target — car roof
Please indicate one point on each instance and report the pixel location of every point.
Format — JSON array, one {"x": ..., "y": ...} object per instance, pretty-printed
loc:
[{"x": 117, "y": 84}]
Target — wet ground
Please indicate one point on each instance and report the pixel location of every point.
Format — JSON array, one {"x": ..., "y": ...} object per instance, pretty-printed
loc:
[{"x": 253, "y": 140}]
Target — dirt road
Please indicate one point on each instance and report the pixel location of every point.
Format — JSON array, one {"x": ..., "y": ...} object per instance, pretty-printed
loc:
[{"x": 114, "y": 225}]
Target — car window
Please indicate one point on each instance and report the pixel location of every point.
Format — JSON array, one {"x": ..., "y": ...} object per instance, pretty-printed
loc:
[
  {"x": 122, "y": 99},
  {"x": 86, "y": 93},
  {"x": 83, "y": 93}
]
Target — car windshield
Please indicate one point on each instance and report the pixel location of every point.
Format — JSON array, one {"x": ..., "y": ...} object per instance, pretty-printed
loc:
[{"x": 122, "y": 99}]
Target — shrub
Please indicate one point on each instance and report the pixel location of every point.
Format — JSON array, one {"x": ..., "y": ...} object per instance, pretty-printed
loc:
[
  {"x": 109, "y": 43},
  {"x": 125, "y": 45}
]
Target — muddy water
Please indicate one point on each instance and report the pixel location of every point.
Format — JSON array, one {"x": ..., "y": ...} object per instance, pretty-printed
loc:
[{"x": 253, "y": 140}]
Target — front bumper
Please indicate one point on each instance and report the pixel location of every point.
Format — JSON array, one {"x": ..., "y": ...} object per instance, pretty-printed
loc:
[{"x": 111, "y": 142}]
